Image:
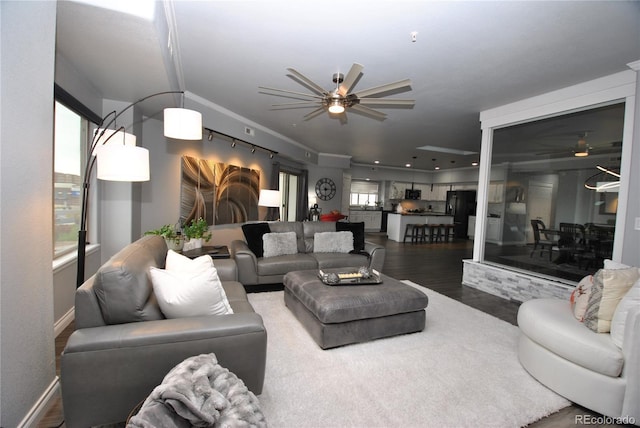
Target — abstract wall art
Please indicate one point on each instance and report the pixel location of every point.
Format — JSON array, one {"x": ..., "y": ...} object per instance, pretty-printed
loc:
[{"x": 218, "y": 192}]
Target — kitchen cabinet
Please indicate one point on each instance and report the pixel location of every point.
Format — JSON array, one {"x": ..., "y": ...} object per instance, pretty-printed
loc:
[
  {"x": 494, "y": 230},
  {"x": 464, "y": 186},
  {"x": 397, "y": 188},
  {"x": 372, "y": 219},
  {"x": 435, "y": 192},
  {"x": 471, "y": 228},
  {"x": 496, "y": 193},
  {"x": 425, "y": 189}
]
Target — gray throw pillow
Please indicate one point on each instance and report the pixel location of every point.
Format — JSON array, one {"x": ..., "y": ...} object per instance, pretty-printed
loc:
[
  {"x": 279, "y": 244},
  {"x": 332, "y": 242}
]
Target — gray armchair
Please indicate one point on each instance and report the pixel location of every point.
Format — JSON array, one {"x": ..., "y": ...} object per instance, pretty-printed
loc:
[{"x": 123, "y": 346}]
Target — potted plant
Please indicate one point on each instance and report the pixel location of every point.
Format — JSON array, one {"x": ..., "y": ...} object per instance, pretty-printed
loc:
[
  {"x": 198, "y": 231},
  {"x": 174, "y": 240}
]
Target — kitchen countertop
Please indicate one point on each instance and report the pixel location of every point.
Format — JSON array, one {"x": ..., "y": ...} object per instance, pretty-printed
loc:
[{"x": 423, "y": 214}]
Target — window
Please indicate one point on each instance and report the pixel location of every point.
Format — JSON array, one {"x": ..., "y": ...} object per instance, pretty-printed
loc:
[
  {"x": 550, "y": 210},
  {"x": 70, "y": 141},
  {"x": 363, "y": 193},
  {"x": 289, "y": 191}
]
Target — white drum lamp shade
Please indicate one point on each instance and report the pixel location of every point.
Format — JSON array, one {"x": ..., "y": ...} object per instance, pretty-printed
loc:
[
  {"x": 122, "y": 163},
  {"x": 182, "y": 124},
  {"x": 269, "y": 198},
  {"x": 113, "y": 136}
]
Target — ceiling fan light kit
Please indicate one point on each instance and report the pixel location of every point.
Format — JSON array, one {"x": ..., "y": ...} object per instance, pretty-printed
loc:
[
  {"x": 582, "y": 148},
  {"x": 337, "y": 101},
  {"x": 336, "y": 107}
]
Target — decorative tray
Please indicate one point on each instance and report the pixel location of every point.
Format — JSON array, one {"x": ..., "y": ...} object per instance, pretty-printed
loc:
[{"x": 353, "y": 277}]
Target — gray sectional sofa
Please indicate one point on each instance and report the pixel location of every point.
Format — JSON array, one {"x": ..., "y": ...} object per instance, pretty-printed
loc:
[
  {"x": 253, "y": 269},
  {"x": 123, "y": 346}
]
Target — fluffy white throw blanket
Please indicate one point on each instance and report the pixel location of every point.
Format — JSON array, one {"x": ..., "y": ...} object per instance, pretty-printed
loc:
[{"x": 199, "y": 392}]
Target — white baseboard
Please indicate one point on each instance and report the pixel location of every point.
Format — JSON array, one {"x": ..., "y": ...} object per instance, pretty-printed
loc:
[
  {"x": 64, "y": 322},
  {"x": 41, "y": 406}
]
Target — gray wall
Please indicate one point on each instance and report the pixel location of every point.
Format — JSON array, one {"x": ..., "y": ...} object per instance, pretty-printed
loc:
[{"x": 27, "y": 363}]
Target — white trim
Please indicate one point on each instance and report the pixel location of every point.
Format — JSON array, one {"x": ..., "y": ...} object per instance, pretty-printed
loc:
[
  {"x": 41, "y": 406},
  {"x": 625, "y": 177},
  {"x": 71, "y": 258},
  {"x": 482, "y": 209},
  {"x": 64, "y": 322}
]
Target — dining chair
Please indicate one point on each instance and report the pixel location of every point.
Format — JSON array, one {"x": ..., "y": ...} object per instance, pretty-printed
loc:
[{"x": 541, "y": 239}]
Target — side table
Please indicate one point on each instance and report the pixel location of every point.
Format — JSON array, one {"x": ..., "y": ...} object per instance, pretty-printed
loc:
[{"x": 216, "y": 252}]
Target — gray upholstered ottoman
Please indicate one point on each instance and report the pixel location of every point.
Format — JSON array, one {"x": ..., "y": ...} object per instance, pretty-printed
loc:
[{"x": 345, "y": 314}]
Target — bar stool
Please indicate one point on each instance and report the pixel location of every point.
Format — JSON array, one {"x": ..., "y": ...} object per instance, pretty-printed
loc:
[
  {"x": 409, "y": 232},
  {"x": 419, "y": 233},
  {"x": 433, "y": 231},
  {"x": 448, "y": 231}
]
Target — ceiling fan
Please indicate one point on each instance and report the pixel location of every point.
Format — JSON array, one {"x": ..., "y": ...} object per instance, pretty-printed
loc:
[
  {"x": 338, "y": 100},
  {"x": 582, "y": 148}
]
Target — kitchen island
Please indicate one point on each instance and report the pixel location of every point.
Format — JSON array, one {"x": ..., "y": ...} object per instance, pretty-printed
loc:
[{"x": 397, "y": 223}]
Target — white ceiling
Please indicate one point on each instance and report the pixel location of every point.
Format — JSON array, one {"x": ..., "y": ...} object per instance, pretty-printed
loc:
[{"x": 468, "y": 57}]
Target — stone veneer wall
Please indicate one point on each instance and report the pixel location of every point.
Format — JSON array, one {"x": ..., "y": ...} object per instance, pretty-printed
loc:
[{"x": 512, "y": 284}]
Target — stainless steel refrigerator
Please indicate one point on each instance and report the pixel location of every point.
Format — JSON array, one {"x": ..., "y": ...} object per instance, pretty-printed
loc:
[{"x": 461, "y": 204}]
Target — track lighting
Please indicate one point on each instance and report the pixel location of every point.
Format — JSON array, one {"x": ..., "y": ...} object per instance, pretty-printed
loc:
[{"x": 235, "y": 141}]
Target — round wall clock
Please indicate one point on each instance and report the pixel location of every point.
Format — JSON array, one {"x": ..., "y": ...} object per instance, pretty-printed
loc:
[{"x": 325, "y": 189}]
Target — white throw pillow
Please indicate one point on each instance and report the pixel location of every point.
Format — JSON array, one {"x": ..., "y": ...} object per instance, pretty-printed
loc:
[
  {"x": 182, "y": 295},
  {"x": 630, "y": 300},
  {"x": 333, "y": 242},
  {"x": 176, "y": 262},
  {"x": 279, "y": 244},
  {"x": 609, "y": 287},
  {"x": 580, "y": 297}
]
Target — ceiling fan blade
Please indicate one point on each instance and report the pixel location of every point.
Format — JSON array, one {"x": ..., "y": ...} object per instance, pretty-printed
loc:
[
  {"x": 288, "y": 92},
  {"x": 350, "y": 78},
  {"x": 369, "y": 112},
  {"x": 385, "y": 101},
  {"x": 316, "y": 112},
  {"x": 301, "y": 104},
  {"x": 384, "y": 88},
  {"x": 308, "y": 82}
]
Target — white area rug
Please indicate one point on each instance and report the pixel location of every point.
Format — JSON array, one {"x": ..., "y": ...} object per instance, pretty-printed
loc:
[{"x": 461, "y": 371}]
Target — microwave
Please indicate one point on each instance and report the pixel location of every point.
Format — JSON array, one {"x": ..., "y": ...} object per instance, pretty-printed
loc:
[{"x": 412, "y": 194}]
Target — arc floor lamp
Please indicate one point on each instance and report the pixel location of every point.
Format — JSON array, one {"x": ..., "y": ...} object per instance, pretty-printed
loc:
[{"x": 117, "y": 157}]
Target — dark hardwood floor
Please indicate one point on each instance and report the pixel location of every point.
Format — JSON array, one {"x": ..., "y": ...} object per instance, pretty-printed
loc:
[{"x": 436, "y": 266}]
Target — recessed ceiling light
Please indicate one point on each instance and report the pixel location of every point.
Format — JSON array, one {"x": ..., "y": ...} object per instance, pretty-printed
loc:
[
  {"x": 376, "y": 162},
  {"x": 408, "y": 165},
  {"x": 437, "y": 168},
  {"x": 474, "y": 163}
]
